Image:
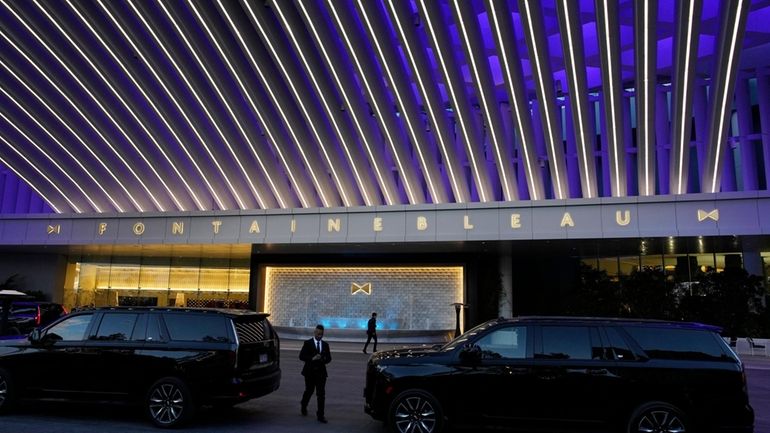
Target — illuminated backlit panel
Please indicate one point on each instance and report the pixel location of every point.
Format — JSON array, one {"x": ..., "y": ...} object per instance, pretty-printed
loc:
[
  {"x": 468, "y": 27},
  {"x": 500, "y": 19},
  {"x": 379, "y": 35},
  {"x": 731, "y": 34},
  {"x": 612, "y": 91},
  {"x": 328, "y": 98},
  {"x": 469, "y": 135},
  {"x": 539, "y": 58},
  {"x": 339, "y": 67},
  {"x": 574, "y": 62},
  {"x": 401, "y": 17},
  {"x": 313, "y": 117},
  {"x": 404, "y": 297},
  {"x": 379, "y": 100},
  {"x": 645, "y": 56},
  {"x": 685, "y": 56}
]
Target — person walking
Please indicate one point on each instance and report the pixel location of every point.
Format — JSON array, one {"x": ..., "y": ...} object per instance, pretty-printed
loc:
[
  {"x": 315, "y": 354},
  {"x": 371, "y": 332}
]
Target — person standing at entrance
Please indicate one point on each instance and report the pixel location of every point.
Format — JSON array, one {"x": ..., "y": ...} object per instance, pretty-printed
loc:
[
  {"x": 315, "y": 354},
  {"x": 371, "y": 332}
]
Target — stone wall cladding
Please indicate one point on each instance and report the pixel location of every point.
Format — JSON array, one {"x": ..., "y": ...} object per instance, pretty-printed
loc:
[{"x": 405, "y": 298}]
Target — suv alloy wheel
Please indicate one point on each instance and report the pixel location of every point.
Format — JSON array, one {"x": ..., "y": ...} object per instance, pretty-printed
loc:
[
  {"x": 169, "y": 402},
  {"x": 657, "y": 416},
  {"x": 6, "y": 391},
  {"x": 415, "y": 411}
]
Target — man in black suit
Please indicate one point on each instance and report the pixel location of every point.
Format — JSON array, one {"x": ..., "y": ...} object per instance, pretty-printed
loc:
[
  {"x": 315, "y": 354},
  {"x": 371, "y": 332}
]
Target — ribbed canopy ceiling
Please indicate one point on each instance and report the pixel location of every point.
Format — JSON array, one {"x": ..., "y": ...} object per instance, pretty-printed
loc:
[{"x": 118, "y": 106}]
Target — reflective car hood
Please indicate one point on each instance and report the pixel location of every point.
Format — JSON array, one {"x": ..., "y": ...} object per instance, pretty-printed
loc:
[{"x": 406, "y": 352}]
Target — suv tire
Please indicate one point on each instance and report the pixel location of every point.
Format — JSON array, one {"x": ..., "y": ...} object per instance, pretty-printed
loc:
[
  {"x": 169, "y": 402},
  {"x": 658, "y": 416},
  {"x": 415, "y": 411},
  {"x": 7, "y": 391}
]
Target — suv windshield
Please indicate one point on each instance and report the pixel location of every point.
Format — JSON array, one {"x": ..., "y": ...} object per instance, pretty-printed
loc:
[{"x": 461, "y": 340}]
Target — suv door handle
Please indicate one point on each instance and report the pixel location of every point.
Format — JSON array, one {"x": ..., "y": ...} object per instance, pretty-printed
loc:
[{"x": 597, "y": 371}]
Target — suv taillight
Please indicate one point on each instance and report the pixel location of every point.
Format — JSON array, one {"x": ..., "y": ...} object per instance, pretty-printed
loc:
[{"x": 38, "y": 317}]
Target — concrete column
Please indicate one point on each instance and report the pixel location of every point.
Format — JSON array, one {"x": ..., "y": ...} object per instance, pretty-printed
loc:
[
  {"x": 505, "y": 305},
  {"x": 752, "y": 259}
]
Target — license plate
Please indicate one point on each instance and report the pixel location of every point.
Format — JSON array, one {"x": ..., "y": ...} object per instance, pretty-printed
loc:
[{"x": 262, "y": 358}]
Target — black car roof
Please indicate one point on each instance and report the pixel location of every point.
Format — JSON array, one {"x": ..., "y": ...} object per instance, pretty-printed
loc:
[
  {"x": 615, "y": 321},
  {"x": 224, "y": 311}
]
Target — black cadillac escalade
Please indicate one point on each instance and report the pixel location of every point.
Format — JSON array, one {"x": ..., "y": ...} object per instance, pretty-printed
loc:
[
  {"x": 171, "y": 360},
  {"x": 532, "y": 373}
]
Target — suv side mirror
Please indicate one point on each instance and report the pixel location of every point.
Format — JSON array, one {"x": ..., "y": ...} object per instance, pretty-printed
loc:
[
  {"x": 34, "y": 336},
  {"x": 471, "y": 354}
]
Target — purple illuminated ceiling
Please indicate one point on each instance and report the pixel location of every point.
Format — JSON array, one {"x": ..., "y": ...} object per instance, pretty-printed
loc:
[{"x": 124, "y": 106}]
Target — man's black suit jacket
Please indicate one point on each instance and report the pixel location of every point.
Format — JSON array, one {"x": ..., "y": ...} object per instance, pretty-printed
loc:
[{"x": 315, "y": 368}]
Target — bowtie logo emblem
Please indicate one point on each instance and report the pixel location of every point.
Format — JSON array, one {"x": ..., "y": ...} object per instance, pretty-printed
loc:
[
  {"x": 365, "y": 288},
  {"x": 713, "y": 214}
]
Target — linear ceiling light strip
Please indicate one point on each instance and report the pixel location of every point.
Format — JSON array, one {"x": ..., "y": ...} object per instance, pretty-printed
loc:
[
  {"x": 130, "y": 110},
  {"x": 735, "y": 14},
  {"x": 269, "y": 172},
  {"x": 349, "y": 198},
  {"x": 685, "y": 57},
  {"x": 157, "y": 111},
  {"x": 42, "y": 175},
  {"x": 574, "y": 61},
  {"x": 85, "y": 118},
  {"x": 517, "y": 92},
  {"x": 402, "y": 89},
  {"x": 88, "y": 148},
  {"x": 261, "y": 196},
  {"x": 609, "y": 48},
  {"x": 401, "y": 12},
  {"x": 201, "y": 103},
  {"x": 109, "y": 115},
  {"x": 324, "y": 93},
  {"x": 539, "y": 57},
  {"x": 274, "y": 135},
  {"x": 152, "y": 69},
  {"x": 320, "y": 180},
  {"x": 455, "y": 86},
  {"x": 475, "y": 53},
  {"x": 61, "y": 169},
  {"x": 646, "y": 52},
  {"x": 380, "y": 103},
  {"x": 381, "y": 171},
  {"x": 27, "y": 181},
  {"x": 72, "y": 157}
]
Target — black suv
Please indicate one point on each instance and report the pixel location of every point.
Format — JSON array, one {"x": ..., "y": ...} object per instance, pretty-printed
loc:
[
  {"x": 169, "y": 359},
  {"x": 24, "y": 316},
  {"x": 538, "y": 372}
]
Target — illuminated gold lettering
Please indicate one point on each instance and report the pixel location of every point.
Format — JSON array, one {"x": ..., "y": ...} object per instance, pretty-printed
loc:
[
  {"x": 467, "y": 223},
  {"x": 293, "y": 225},
  {"x": 177, "y": 228},
  {"x": 333, "y": 224},
  {"x": 515, "y": 221},
  {"x": 139, "y": 228},
  {"x": 422, "y": 223},
  {"x": 566, "y": 220},
  {"x": 377, "y": 224},
  {"x": 216, "y": 224},
  {"x": 102, "y": 228},
  {"x": 623, "y": 219},
  {"x": 254, "y": 228},
  {"x": 54, "y": 230}
]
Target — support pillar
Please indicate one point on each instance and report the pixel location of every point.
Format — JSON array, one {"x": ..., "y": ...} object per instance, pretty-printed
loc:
[{"x": 505, "y": 304}]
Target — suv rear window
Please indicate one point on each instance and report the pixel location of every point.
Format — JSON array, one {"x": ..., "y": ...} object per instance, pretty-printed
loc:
[
  {"x": 666, "y": 343},
  {"x": 197, "y": 327}
]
